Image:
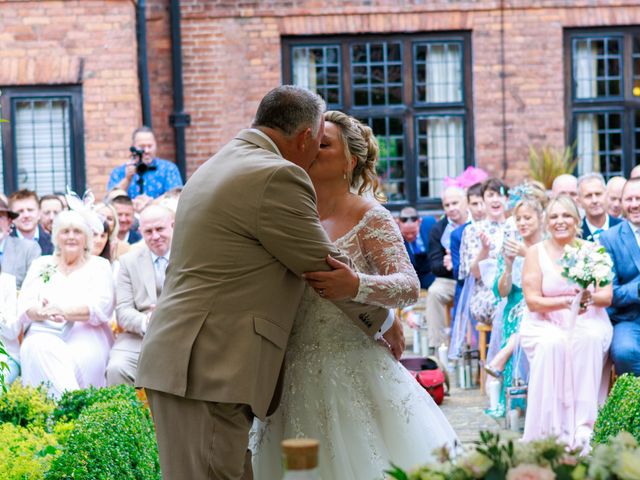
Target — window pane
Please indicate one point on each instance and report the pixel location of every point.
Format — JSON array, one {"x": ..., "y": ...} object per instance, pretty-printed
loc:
[
  {"x": 636, "y": 67},
  {"x": 599, "y": 143},
  {"x": 376, "y": 67},
  {"x": 597, "y": 67},
  {"x": 440, "y": 143},
  {"x": 391, "y": 164},
  {"x": 318, "y": 69},
  {"x": 43, "y": 144},
  {"x": 636, "y": 137},
  {"x": 438, "y": 72}
]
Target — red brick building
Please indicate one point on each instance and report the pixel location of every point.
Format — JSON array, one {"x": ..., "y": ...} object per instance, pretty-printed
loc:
[{"x": 444, "y": 83}]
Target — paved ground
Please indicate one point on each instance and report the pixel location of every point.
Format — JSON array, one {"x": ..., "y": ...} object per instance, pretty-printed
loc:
[{"x": 465, "y": 411}]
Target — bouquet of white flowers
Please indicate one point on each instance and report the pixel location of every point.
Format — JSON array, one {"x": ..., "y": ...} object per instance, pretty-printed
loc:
[{"x": 585, "y": 264}]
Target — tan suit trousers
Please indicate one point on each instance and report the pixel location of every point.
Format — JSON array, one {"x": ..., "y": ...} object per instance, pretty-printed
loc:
[
  {"x": 441, "y": 293},
  {"x": 200, "y": 440}
]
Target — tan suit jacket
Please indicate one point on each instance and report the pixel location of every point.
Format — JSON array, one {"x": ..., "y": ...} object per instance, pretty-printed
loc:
[
  {"x": 135, "y": 294},
  {"x": 246, "y": 229}
]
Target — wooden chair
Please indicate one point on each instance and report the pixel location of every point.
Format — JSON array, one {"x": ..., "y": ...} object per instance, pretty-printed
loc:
[{"x": 483, "y": 330}]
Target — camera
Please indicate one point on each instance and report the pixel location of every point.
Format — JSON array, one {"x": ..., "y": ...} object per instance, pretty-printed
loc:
[{"x": 137, "y": 153}]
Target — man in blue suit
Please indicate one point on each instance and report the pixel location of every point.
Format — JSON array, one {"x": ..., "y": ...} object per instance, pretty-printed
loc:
[
  {"x": 592, "y": 195},
  {"x": 622, "y": 242},
  {"x": 415, "y": 233}
]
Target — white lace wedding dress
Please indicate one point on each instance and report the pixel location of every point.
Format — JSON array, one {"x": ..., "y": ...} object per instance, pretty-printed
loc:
[{"x": 345, "y": 390}]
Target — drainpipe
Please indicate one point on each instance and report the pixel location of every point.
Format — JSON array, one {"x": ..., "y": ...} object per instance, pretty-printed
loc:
[
  {"x": 503, "y": 89},
  {"x": 143, "y": 70},
  {"x": 178, "y": 119}
]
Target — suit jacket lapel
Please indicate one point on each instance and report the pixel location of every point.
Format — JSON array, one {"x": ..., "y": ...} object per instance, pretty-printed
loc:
[
  {"x": 629, "y": 243},
  {"x": 586, "y": 233},
  {"x": 148, "y": 273}
]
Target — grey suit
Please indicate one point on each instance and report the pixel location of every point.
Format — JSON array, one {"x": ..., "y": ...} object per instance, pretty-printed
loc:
[
  {"x": 17, "y": 257},
  {"x": 135, "y": 295}
]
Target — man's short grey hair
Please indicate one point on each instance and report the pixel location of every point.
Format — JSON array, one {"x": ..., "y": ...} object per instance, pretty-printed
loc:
[
  {"x": 591, "y": 176},
  {"x": 290, "y": 109}
]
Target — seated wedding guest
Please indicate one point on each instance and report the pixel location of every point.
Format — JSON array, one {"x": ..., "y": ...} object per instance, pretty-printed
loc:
[
  {"x": 16, "y": 254},
  {"x": 50, "y": 206},
  {"x": 477, "y": 210},
  {"x": 565, "y": 184},
  {"x": 442, "y": 290},
  {"x": 10, "y": 328},
  {"x": 26, "y": 204},
  {"x": 108, "y": 212},
  {"x": 614, "y": 194},
  {"x": 635, "y": 172},
  {"x": 592, "y": 196},
  {"x": 138, "y": 287},
  {"x": 145, "y": 176},
  {"x": 528, "y": 213},
  {"x": 566, "y": 354},
  {"x": 415, "y": 233},
  {"x": 65, "y": 306},
  {"x": 126, "y": 217},
  {"x": 483, "y": 240},
  {"x": 621, "y": 242}
]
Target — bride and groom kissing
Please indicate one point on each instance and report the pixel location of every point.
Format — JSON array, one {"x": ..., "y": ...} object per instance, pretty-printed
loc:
[{"x": 259, "y": 267}]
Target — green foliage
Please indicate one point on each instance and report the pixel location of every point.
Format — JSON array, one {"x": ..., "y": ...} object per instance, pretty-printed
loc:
[
  {"x": 112, "y": 440},
  {"x": 621, "y": 412},
  {"x": 548, "y": 163},
  {"x": 25, "y": 406},
  {"x": 73, "y": 403},
  {"x": 25, "y": 453},
  {"x": 3, "y": 365}
]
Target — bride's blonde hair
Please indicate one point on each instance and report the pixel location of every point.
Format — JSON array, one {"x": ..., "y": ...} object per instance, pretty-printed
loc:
[{"x": 359, "y": 142}]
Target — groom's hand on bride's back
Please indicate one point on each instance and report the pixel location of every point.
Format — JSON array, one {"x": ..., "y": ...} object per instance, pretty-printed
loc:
[
  {"x": 341, "y": 283},
  {"x": 394, "y": 338}
]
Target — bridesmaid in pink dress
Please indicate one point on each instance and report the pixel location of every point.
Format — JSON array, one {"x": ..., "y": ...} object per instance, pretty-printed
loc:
[{"x": 567, "y": 363}]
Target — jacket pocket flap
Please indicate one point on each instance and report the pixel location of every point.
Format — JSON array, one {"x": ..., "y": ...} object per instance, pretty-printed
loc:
[{"x": 272, "y": 332}]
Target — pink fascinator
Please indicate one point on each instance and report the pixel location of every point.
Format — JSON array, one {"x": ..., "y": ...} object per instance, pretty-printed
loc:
[{"x": 470, "y": 176}]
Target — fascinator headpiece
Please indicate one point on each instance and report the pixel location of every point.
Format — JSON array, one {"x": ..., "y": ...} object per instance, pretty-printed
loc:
[{"x": 84, "y": 206}]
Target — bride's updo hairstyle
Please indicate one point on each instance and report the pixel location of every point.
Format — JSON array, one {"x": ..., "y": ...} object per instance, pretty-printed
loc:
[
  {"x": 570, "y": 206},
  {"x": 359, "y": 142}
]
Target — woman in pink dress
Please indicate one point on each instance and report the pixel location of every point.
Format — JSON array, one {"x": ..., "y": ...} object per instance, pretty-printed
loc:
[{"x": 567, "y": 362}]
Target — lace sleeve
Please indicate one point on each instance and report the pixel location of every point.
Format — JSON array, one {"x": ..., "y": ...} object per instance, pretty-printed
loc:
[{"x": 392, "y": 281}]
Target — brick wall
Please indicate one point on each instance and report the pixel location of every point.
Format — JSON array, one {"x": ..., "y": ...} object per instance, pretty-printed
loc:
[
  {"x": 85, "y": 42},
  {"x": 232, "y": 56}
]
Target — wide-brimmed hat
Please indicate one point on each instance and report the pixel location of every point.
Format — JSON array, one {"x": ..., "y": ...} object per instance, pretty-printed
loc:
[{"x": 5, "y": 208}]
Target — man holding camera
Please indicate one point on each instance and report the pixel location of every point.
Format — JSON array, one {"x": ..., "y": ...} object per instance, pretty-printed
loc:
[{"x": 144, "y": 175}]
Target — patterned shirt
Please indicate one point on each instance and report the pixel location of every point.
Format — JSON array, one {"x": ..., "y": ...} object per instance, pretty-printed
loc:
[{"x": 161, "y": 176}]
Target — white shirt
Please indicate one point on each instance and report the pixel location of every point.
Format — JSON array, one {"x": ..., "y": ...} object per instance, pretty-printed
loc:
[{"x": 593, "y": 228}]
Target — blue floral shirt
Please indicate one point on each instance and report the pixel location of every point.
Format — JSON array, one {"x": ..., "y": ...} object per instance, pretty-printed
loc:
[{"x": 156, "y": 181}]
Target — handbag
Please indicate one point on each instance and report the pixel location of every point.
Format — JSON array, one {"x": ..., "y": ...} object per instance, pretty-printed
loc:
[{"x": 429, "y": 375}]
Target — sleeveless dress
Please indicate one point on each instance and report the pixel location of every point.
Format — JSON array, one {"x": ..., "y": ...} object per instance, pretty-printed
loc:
[
  {"x": 345, "y": 390},
  {"x": 568, "y": 366}
]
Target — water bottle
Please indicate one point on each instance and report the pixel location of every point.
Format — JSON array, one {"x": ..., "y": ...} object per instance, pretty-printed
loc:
[{"x": 300, "y": 459}]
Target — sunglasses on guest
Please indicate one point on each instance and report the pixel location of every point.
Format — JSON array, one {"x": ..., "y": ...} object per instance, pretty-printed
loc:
[{"x": 408, "y": 219}]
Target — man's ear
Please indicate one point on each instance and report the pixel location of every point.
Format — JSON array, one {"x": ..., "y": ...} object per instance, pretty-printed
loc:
[{"x": 303, "y": 138}]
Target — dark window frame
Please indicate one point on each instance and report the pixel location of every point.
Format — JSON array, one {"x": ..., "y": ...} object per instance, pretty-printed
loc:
[
  {"x": 73, "y": 93},
  {"x": 625, "y": 103},
  {"x": 410, "y": 109}
]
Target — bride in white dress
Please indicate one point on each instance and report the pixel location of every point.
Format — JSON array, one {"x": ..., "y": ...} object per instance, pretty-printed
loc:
[{"x": 340, "y": 387}]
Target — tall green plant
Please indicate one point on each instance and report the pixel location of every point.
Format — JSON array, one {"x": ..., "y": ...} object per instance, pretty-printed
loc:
[
  {"x": 621, "y": 412},
  {"x": 547, "y": 163}
]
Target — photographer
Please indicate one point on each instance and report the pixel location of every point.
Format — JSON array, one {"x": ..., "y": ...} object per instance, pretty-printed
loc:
[{"x": 144, "y": 176}]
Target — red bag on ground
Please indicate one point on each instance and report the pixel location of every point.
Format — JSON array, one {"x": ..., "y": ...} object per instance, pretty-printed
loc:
[
  {"x": 428, "y": 374},
  {"x": 433, "y": 383}
]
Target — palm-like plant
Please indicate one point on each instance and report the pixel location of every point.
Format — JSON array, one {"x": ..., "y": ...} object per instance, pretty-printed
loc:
[{"x": 548, "y": 162}]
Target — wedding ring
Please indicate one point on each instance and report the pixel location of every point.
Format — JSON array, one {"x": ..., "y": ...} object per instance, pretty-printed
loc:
[{"x": 321, "y": 292}]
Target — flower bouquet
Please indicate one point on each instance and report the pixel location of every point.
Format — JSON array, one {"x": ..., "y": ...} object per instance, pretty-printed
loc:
[
  {"x": 548, "y": 459},
  {"x": 585, "y": 264}
]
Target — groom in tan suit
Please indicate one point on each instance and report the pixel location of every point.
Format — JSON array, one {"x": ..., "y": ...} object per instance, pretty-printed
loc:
[{"x": 246, "y": 230}]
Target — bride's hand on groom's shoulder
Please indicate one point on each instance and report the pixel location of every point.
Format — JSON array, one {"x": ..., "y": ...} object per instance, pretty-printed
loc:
[{"x": 341, "y": 283}]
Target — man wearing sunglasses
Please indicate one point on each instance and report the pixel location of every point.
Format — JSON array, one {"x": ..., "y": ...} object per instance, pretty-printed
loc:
[{"x": 415, "y": 232}]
